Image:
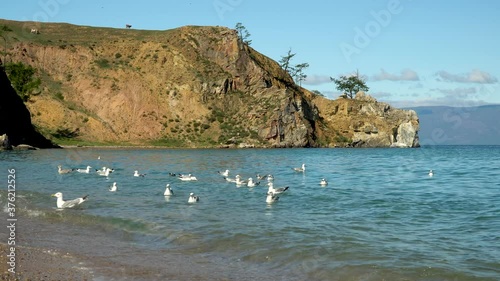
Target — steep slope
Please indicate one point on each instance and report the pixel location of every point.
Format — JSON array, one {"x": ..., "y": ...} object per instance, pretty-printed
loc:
[
  {"x": 191, "y": 86},
  {"x": 15, "y": 121}
]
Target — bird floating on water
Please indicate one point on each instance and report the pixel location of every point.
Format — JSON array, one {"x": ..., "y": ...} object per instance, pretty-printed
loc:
[
  {"x": 251, "y": 183},
  {"x": 136, "y": 174},
  {"x": 193, "y": 198},
  {"x": 301, "y": 169},
  {"x": 323, "y": 182},
  {"x": 61, "y": 204},
  {"x": 278, "y": 190},
  {"x": 225, "y": 173},
  {"x": 113, "y": 187},
  {"x": 85, "y": 171},
  {"x": 61, "y": 171},
  {"x": 431, "y": 173},
  {"x": 104, "y": 172},
  {"x": 187, "y": 177},
  {"x": 271, "y": 197},
  {"x": 168, "y": 190}
]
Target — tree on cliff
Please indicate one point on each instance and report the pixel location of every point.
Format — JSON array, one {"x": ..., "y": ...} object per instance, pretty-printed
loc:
[
  {"x": 297, "y": 71},
  {"x": 351, "y": 84},
  {"x": 22, "y": 79},
  {"x": 243, "y": 33}
]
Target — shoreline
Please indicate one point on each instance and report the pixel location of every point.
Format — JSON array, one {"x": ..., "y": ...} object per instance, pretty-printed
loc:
[
  {"x": 43, "y": 264},
  {"x": 55, "y": 250}
]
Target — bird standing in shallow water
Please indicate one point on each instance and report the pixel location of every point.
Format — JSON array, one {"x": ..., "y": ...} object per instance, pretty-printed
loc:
[{"x": 61, "y": 204}]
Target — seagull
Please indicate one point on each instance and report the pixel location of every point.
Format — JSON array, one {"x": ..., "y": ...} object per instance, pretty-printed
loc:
[
  {"x": 259, "y": 177},
  {"x": 85, "y": 171},
  {"x": 225, "y": 173},
  {"x": 168, "y": 190},
  {"x": 302, "y": 169},
  {"x": 270, "y": 178},
  {"x": 323, "y": 182},
  {"x": 238, "y": 177},
  {"x": 239, "y": 182},
  {"x": 104, "y": 172},
  {"x": 136, "y": 174},
  {"x": 271, "y": 198},
  {"x": 431, "y": 173},
  {"x": 251, "y": 183},
  {"x": 188, "y": 177},
  {"x": 113, "y": 188},
  {"x": 61, "y": 204},
  {"x": 193, "y": 198},
  {"x": 61, "y": 171},
  {"x": 275, "y": 191}
]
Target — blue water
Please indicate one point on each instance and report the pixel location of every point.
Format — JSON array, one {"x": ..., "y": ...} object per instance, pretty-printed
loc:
[{"x": 380, "y": 217}]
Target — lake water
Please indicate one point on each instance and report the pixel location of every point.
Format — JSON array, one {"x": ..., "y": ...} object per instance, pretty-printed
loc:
[{"x": 381, "y": 217}]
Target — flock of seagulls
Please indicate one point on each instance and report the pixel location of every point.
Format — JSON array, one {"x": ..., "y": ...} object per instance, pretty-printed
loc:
[
  {"x": 272, "y": 192},
  {"x": 271, "y": 195}
]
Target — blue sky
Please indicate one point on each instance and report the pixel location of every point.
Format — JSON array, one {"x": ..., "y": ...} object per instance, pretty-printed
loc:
[{"x": 412, "y": 53}]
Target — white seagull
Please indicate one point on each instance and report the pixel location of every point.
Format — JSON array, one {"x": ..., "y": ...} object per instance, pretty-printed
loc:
[
  {"x": 187, "y": 177},
  {"x": 60, "y": 170},
  {"x": 61, "y": 204},
  {"x": 259, "y": 177},
  {"x": 271, "y": 198},
  {"x": 239, "y": 182},
  {"x": 270, "y": 178},
  {"x": 113, "y": 188},
  {"x": 104, "y": 172},
  {"x": 168, "y": 190},
  {"x": 225, "y": 173},
  {"x": 193, "y": 198},
  {"x": 302, "y": 169},
  {"x": 275, "y": 191},
  {"x": 251, "y": 183},
  {"x": 85, "y": 171},
  {"x": 232, "y": 180},
  {"x": 136, "y": 174},
  {"x": 323, "y": 182},
  {"x": 431, "y": 173}
]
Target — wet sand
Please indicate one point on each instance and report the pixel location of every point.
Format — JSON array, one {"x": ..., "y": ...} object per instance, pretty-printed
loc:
[{"x": 47, "y": 250}]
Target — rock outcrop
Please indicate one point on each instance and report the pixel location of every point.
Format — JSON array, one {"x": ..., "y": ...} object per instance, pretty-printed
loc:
[
  {"x": 364, "y": 122},
  {"x": 16, "y": 129},
  {"x": 191, "y": 86}
]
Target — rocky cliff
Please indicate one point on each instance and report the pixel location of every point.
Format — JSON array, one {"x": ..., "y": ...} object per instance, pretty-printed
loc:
[
  {"x": 191, "y": 86},
  {"x": 15, "y": 122}
]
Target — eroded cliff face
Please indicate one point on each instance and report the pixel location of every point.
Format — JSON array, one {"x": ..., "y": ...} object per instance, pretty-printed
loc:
[
  {"x": 191, "y": 86},
  {"x": 364, "y": 122}
]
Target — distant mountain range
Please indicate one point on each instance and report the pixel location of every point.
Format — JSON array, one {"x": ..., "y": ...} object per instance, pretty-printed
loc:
[{"x": 443, "y": 125}]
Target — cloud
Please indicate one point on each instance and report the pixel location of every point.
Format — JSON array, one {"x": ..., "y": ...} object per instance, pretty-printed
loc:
[
  {"x": 405, "y": 75},
  {"x": 317, "y": 80},
  {"x": 458, "y": 92},
  {"x": 475, "y": 76}
]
